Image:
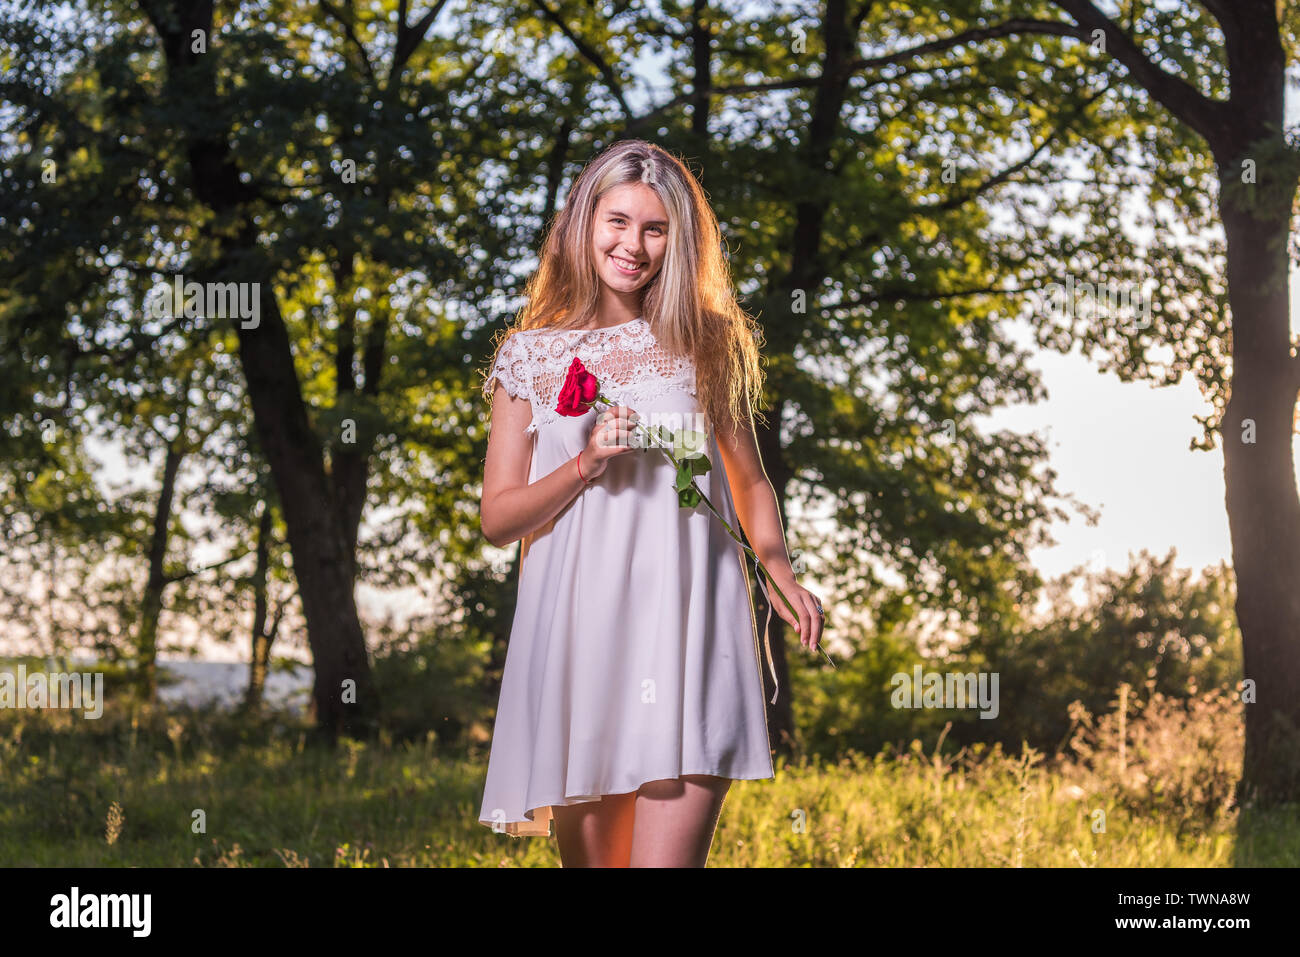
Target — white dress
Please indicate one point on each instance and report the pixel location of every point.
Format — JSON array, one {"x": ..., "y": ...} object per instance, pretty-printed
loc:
[{"x": 633, "y": 654}]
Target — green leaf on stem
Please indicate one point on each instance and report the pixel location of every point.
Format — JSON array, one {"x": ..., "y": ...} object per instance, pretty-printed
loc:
[{"x": 684, "y": 476}]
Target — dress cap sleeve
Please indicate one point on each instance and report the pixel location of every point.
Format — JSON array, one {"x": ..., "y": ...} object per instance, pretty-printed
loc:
[{"x": 511, "y": 369}]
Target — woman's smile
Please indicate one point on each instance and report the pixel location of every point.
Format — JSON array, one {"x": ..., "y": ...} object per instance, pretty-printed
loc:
[{"x": 628, "y": 266}]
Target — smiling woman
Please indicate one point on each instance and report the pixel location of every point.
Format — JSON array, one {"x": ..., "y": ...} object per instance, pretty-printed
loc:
[{"x": 632, "y": 693}]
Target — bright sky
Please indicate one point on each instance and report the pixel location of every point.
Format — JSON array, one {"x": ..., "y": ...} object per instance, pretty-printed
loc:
[{"x": 1123, "y": 448}]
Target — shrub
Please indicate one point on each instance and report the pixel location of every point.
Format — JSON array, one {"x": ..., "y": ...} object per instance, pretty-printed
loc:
[{"x": 1159, "y": 753}]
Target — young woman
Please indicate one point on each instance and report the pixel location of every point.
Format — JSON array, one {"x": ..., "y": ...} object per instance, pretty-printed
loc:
[{"x": 632, "y": 693}]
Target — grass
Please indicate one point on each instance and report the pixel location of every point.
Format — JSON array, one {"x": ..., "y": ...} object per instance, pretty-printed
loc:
[{"x": 200, "y": 789}]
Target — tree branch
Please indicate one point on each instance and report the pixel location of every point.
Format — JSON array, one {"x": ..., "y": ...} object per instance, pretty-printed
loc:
[
  {"x": 410, "y": 37},
  {"x": 1175, "y": 94},
  {"x": 172, "y": 579},
  {"x": 137, "y": 341},
  {"x": 954, "y": 202},
  {"x": 997, "y": 179},
  {"x": 1221, "y": 11},
  {"x": 279, "y": 614},
  {"x": 796, "y": 83},
  {"x": 351, "y": 36},
  {"x": 591, "y": 54},
  {"x": 973, "y": 35},
  {"x": 1007, "y": 28}
]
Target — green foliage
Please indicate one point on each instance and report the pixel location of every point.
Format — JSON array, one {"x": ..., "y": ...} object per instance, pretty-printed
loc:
[
  {"x": 1152, "y": 626},
  {"x": 432, "y": 681},
  {"x": 848, "y": 708},
  {"x": 391, "y": 284}
]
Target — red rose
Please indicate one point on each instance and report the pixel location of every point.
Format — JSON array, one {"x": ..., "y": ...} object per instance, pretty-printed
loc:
[{"x": 579, "y": 390}]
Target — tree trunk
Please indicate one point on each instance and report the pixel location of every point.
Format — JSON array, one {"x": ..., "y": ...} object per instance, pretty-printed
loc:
[
  {"x": 806, "y": 274},
  {"x": 1260, "y": 480},
  {"x": 345, "y": 699},
  {"x": 1259, "y": 420},
  {"x": 701, "y": 69},
  {"x": 260, "y": 662},
  {"x": 152, "y": 603},
  {"x": 555, "y": 160},
  {"x": 350, "y": 461}
]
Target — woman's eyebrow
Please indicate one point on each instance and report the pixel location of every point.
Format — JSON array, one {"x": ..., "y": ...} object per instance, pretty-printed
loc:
[{"x": 654, "y": 222}]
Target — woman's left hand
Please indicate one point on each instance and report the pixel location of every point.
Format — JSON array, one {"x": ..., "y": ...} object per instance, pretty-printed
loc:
[{"x": 810, "y": 620}]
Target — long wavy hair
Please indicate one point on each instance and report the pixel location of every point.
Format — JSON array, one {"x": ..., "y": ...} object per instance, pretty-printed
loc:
[{"x": 690, "y": 304}]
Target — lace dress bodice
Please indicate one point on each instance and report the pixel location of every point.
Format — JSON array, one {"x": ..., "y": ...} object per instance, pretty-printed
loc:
[{"x": 632, "y": 367}]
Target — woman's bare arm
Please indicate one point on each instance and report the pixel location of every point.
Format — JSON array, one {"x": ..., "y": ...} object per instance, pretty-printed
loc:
[
  {"x": 760, "y": 519},
  {"x": 511, "y": 508}
]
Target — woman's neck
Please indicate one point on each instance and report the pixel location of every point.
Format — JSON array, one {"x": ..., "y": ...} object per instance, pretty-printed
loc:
[{"x": 615, "y": 308}]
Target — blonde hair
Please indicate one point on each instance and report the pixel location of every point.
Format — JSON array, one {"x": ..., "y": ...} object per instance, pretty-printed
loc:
[{"x": 690, "y": 304}]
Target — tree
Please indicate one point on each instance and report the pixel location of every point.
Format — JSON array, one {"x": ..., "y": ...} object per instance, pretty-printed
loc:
[
  {"x": 257, "y": 189},
  {"x": 1223, "y": 83}
]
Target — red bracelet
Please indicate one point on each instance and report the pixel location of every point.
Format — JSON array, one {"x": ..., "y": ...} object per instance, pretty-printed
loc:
[{"x": 578, "y": 459}]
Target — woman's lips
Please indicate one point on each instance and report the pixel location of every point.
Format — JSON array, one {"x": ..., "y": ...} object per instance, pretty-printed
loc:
[{"x": 618, "y": 264}]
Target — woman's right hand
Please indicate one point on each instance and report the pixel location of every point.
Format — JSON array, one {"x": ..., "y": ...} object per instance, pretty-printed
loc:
[{"x": 610, "y": 436}]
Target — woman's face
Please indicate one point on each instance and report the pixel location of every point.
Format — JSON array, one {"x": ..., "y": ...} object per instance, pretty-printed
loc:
[{"x": 629, "y": 237}]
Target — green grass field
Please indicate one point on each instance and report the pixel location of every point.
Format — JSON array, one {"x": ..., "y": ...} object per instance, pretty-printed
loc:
[{"x": 106, "y": 794}]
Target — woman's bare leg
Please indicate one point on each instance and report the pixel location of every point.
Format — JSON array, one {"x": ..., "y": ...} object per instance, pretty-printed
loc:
[
  {"x": 675, "y": 820},
  {"x": 595, "y": 833}
]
